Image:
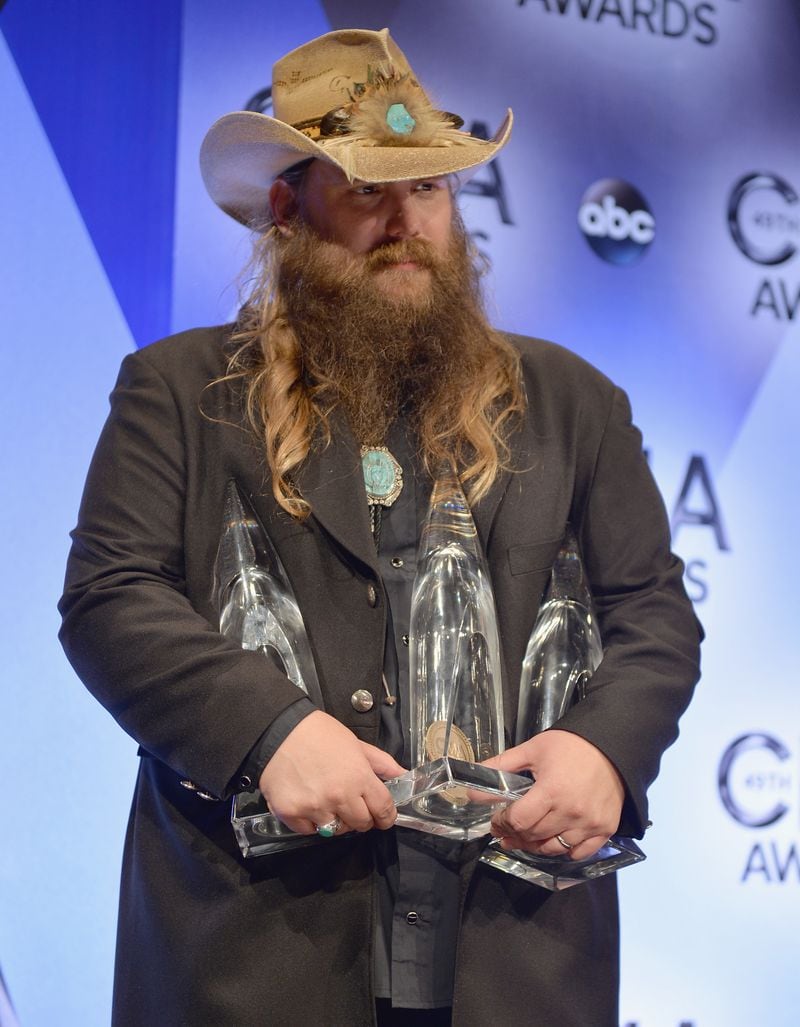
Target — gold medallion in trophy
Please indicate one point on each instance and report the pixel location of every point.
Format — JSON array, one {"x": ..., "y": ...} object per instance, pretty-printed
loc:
[{"x": 458, "y": 747}]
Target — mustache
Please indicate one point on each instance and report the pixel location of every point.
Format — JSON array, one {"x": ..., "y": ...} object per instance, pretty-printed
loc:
[{"x": 402, "y": 251}]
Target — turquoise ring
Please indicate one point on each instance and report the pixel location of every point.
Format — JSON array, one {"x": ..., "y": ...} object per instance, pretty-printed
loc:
[{"x": 329, "y": 830}]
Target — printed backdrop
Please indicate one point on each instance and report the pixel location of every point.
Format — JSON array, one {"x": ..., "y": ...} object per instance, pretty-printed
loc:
[{"x": 646, "y": 214}]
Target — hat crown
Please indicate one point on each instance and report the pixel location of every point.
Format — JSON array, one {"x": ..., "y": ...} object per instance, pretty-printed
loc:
[{"x": 323, "y": 74}]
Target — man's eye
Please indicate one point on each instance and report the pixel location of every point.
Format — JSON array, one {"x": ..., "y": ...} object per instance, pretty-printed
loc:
[{"x": 366, "y": 190}]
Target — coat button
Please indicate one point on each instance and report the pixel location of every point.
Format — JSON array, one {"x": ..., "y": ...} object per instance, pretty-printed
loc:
[
  {"x": 362, "y": 700},
  {"x": 404, "y": 639},
  {"x": 411, "y": 918},
  {"x": 397, "y": 561},
  {"x": 372, "y": 595}
]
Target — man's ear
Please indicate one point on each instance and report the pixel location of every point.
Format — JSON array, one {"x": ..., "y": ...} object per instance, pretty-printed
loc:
[{"x": 283, "y": 204}]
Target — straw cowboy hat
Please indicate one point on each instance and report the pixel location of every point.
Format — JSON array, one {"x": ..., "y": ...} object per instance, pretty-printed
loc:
[{"x": 349, "y": 98}]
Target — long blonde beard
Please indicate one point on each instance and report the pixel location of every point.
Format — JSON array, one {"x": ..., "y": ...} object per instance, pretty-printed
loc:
[{"x": 319, "y": 331}]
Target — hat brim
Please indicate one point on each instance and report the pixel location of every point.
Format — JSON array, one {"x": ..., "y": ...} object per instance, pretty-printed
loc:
[{"x": 244, "y": 152}]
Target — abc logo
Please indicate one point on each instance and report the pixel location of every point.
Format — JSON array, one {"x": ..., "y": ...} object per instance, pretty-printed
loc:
[{"x": 616, "y": 221}]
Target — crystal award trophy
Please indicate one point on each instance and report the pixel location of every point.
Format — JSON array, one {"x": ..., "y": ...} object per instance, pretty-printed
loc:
[
  {"x": 456, "y": 704},
  {"x": 257, "y": 608},
  {"x": 563, "y": 652}
]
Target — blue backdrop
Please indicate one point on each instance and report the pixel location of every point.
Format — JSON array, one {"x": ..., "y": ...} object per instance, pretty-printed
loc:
[{"x": 646, "y": 214}]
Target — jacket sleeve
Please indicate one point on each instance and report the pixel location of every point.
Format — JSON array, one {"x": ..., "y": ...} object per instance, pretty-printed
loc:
[
  {"x": 650, "y": 633},
  {"x": 190, "y": 697}
]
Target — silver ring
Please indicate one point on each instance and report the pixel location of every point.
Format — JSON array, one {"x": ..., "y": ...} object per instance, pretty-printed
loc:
[
  {"x": 329, "y": 830},
  {"x": 559, "y": 839}
]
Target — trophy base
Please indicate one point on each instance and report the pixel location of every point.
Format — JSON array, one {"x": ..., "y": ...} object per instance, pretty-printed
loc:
[
  {"x": 558, "y": 872},
  {"x": 452, "y": 798},
  {"x": 258, "y": 831}
]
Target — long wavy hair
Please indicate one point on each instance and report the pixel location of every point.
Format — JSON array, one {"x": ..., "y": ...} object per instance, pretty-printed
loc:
[{"x": 288, "y": 398}]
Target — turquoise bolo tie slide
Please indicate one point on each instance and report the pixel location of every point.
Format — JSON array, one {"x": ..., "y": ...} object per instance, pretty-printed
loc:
[{"x": 383, "y": 475}]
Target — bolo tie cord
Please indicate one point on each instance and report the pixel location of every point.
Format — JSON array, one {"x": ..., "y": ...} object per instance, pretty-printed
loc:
[{"x": 375, "y": 520}]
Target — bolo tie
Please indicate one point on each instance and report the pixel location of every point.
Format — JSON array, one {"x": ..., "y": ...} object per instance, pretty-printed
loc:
[{"x": 383, "y": 481}]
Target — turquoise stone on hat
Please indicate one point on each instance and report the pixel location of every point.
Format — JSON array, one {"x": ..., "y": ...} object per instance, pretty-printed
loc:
[{"x": 399, "y": 120}]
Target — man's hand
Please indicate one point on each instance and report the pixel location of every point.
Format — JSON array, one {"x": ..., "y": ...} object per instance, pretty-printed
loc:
[
  {"x": 577, "y": 794},
  {"x": 321, "y": 771}
]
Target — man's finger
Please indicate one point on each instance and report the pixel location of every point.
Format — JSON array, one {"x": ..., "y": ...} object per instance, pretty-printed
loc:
[
  {"x": 380, "y": 805},
  {"x": 523, "y": 815},
  {"x": 300, "y": 825},
  {"x": 357, "y": 814},
  {"x": 588, "y": 847},
  {"x": 381, "y": 762},
  {"x": 512, "y": 761},
  {"x": 537, "y": 848}
]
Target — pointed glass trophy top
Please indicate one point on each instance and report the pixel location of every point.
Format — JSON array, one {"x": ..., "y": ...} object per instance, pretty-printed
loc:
[
  {"x": 454, "y": 651},
  {"x": 257, "y": 606},
  {"x": 564, "y": 650},
  {"x": 243, "y": 544},
  {"x": 568, "y": 578},
  {"x": 455, "y": 686},
  {"x": 258, "y": 609},
  {"x": 449, "y": 521}
]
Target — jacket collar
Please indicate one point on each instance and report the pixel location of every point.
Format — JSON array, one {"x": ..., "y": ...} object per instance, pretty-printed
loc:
[
  {"x": 523, "y": 445},
  {"x": 331, "y": 480}
]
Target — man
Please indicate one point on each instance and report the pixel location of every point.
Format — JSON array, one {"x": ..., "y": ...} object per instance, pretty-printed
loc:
[{"x": 363, "y": 329}]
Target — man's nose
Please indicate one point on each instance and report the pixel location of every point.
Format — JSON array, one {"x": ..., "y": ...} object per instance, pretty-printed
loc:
[{"x": 402, "y": 221}]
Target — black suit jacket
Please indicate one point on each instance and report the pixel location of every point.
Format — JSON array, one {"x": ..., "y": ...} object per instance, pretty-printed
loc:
[{"x": 206, "y": 937}]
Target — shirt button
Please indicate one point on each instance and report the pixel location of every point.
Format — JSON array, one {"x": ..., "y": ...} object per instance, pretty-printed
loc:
[
  {"x": 362, "y": 700},
  {"x": 397, "y": 561},
  {"x": 411, "y": 918},
  {"x": 404, "y": 640},
  {"x": 372, "y": 595}
]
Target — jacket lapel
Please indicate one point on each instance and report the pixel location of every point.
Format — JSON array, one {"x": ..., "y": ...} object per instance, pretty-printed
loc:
[
  {"x": 330, "y": 478},
  {"x": 523, "y": 448}
]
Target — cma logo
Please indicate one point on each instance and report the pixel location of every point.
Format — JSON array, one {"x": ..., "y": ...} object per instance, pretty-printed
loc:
[
  {"x": 764, "y": 219},
  {"x": 697, "y": 506},
  {"x": 616, "y": 221},
  {"x": 754, "y": 780},
  {"x": 757, "y": 785},
  {"x": 764, "y": 223}
]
